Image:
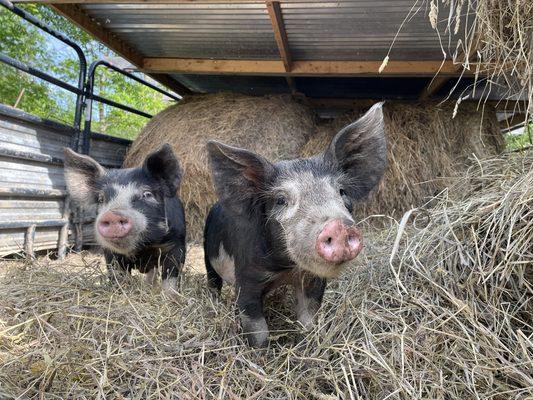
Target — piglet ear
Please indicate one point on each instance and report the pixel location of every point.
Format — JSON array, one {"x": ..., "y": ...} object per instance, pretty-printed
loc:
[
  {"x": 360, "y": 151},
  {"x": 163, "y": 166},
  {"x": 81, "y": 174},
  {"x": 238, "y": 175}
]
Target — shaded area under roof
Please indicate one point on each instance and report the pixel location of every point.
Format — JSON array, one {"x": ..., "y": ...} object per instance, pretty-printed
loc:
[
  {"x": 332, "y": 31},
  {"x": 322, "y": 87}
]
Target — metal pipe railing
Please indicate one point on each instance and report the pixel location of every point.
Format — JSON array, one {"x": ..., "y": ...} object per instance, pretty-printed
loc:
[
  {"x": 81, "y": 58},
  {"x": 90, "y": 96},
  {"x": 39, "y": 74}
]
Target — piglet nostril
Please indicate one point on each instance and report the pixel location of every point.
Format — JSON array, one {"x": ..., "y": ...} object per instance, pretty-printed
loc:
[{"x": 328, "y": 240}]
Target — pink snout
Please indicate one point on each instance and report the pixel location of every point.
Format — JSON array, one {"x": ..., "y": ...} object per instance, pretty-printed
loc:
[
  {"x": 114, "y": 226},
  {"x": 339, "y": 242}
]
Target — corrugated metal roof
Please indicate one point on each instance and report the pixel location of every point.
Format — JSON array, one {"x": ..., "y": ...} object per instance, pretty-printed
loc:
[
  {"x": 360, "y": 30},
  {"x": 316, "y": 30},
  {"x": 241, "y": 31}
]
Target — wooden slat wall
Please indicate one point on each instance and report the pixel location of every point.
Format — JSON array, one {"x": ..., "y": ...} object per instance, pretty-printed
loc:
[{"x": 32, "y": 186}]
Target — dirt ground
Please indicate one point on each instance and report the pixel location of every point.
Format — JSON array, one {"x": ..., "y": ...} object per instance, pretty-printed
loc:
[{"x": 194, "y": 262}]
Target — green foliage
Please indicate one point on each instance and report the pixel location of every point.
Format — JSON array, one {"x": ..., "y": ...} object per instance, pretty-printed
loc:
[
  {"x": 115, "y": 87},
  {"x": 24, "y": 42},
  {"x": 524, "y": 139}
]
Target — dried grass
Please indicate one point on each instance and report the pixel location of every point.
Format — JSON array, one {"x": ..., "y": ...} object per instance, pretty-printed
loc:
[
  {"x": 427, "y": 150},
  {"x": 274, "y": 126},
  {"x": 498, "y": 36},
  {"x": 450, "y": 317}
]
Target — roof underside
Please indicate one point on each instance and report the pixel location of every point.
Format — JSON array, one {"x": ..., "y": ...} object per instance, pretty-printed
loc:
[
  {"x": 316, "y": 30},
  {"x": 184, "y": 41}
]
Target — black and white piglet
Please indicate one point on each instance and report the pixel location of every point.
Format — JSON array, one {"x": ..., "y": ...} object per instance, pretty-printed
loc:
[
  {"x": 140, "y": 221},
  {"x": 289, "y": 222}
]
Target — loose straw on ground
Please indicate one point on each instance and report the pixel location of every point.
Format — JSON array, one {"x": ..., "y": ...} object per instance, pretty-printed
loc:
[{"x": 461, "y": 328}]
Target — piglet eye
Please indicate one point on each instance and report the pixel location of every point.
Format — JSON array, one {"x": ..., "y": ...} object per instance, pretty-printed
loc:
[
  {"x": 342, "y": 192},
  {"x": 100, "y": 198},
  {"x": 147, "y": 194},
  {"x": 281, "y": 201}
]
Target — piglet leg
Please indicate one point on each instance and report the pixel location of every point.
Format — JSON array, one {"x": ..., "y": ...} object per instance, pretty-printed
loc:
[
  {"x": 171, "y": 265},
  {"x": 309, "y": 292},
  {"x": 254, "y": 326}
]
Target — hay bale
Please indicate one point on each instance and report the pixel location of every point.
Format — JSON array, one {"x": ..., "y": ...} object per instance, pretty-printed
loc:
[
  {"x": 427, "y": 150},
  {"x": 449, "y": 318},
  {"x": 274, "y": 126}
]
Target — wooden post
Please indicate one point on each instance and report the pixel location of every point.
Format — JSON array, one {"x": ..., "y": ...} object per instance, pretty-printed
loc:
[
  {"x": 78, "y": 228},
  {"x": 63, "y": 233},
  {"x": 29, "y": 239}
]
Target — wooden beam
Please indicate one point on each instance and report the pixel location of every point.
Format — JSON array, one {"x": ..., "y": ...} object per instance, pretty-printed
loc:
[
  {"x": 439, "y": 81},
  {"x": 276, "y": 19},
  {"x": 299, "y": 68},
  {"x": 207, "y": 66},
  {"x": 171, "y": 83},
  {"x": 292, "y": 84},
  {"x": 76, "y": 15},
  {"x": 433, "y": 86}
]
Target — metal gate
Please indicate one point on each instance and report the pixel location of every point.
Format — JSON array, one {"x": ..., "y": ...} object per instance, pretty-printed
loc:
[{"x": 35, "y": 212}]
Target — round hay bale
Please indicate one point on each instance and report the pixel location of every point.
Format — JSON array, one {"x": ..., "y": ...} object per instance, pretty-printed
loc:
[
  {"x": 427, "y": 150},
  {"x": 274, "y": 126}
]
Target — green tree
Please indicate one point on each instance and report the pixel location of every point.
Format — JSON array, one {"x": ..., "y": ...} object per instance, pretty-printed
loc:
[{"x": 24, "y": 42}]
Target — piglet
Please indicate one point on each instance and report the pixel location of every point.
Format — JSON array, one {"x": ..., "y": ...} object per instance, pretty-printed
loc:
[
  {"x": 289, "y": 222},
  {"x": 140, "y": 221}
]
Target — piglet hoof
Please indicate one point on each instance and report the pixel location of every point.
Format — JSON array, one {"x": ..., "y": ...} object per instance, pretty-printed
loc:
[
  {"x": 255, "y": 331},
  {"x": 257, "y": 341},
  {"x": 307, "y": 324},
  {"x": 150, "y": 278},
  {"x": 169, "y": 287}
]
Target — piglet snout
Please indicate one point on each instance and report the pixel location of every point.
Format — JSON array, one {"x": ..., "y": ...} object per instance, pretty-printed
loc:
[
  {"x": 339, "y": 241},
  {"x": 114, "y": 226}
]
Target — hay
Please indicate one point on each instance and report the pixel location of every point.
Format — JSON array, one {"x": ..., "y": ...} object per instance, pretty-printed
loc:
[
  {"x": 427, "y": 150},
  {"x": 274, "y": 126},
  {"x": 499, "y": 37},
  {"x": 449, "y": 318}
]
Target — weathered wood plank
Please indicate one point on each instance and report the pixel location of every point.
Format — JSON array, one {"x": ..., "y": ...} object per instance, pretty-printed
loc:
[{"x": 299, "y": 68}]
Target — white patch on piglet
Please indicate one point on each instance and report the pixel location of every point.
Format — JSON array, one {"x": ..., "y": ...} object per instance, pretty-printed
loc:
[{"x": 224, "y": 264}]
